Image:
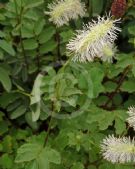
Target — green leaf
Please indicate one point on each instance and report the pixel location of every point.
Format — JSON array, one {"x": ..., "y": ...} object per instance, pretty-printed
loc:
[
  {"x": 110, "y": 86},
  {"x": 131, "y": 12},
  {"x": 128, "y": 86},
  {"x": 120, "y": 126},
  {"x": 92, "y": 167},
  {"x": 107, "y": 166},
  {"x": 61, "y": 86},
  {"x": 3, "y": 127},
  {"x": 32, "y": 124},
  {"x": 99, "y": 115},
  {"x": 82, "y": 82},
  {"x": 1, "y": 54},
  {"x": 133, "y": 70},
  {"x": 66, "y": 35},
  {"x": 70, "y": 100},
  {"x": 7, "y": 47},
  {"x": 123, "y": 166},
  {"x": 50, "y": 70},
  {"x": 5, "y": 80},
  {"x": 27, "y": 30},
  {"x": 48, "y": 47},
  {"x": 61, "y": 138},
  {"x": 39, "y": 26},
  {"x": 121, "y": 114},
  {"x": 117, "y": 99},
  {"x": 71, "y": 91},
  {"x": 30, "y": 44},
  {"x": 32, "y": 15},
  {"x": 46, "y": 34},
  {"x": 97, "y": 6},
  {"x": 131, "y": 29},
  {"x": 18, "y": 112},
  {"x": 28, "y": 152},
  {"x": 7, "y": 144},
  {"x": 113, "y": 71},
  {"x": 132, "y": 41},
  {"x": 2, "y": 34},
  {"x": 1, "y": 148},
  {"x": 35, "y": 110},
  {"x": 2, "y": 17},
  {"x": 21, "y": 134},
  {"x": 52, "y": 155},
  {"x": 114, "y": 166},
  {"x": 43, "y": 162},
  {"x": 108, "y": 120},
  {"x": 7, "y": 98},
  {"x": 38, "y": 154},
  {"x": 36, "y": 91},
  {"x": 32, "y": 165},
  {"x": 124, "y": 60},
  {"x": 33, "y": 3},
  {"x": 95, "y": 86},
  {"x": 77, "y": 166},
  {"x": 6, "y": 161},
  {"x": 36, "y": 97}
]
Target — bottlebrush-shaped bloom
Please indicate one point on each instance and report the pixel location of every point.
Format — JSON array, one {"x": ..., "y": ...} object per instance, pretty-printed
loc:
[
  {"x": 93, "y": 39},
  {"x": 131, "y": 119},
  {"x": 120, "y": 150},
  {"x": 62, "y": 11}
]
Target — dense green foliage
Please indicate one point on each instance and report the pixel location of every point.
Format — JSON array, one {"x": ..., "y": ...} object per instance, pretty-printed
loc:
[{"x": 53, "y": 113}]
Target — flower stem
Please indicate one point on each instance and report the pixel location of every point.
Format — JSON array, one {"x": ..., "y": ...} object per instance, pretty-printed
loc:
[
  {"x": 49, "y": 125},
  {"x": 125, "y": 72},
  {"x": 19, "y": 18},
  {"x": 48, "y": 131}
]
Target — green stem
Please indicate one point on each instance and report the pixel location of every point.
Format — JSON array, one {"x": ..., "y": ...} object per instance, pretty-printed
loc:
[
  {"x": 48, "y": 131},
  {"x": 123, "y": 134},
  {"x": 38, "y": 54},
  {"x": 19, "y": 19},
  {"x": 23, "y": 51},
  {"x": 58, "y": 46},
  {"x": 125, "y": 72},
  {"x": 49, "y": 126},
  {"x": 15, "y": 2},
  {"x": 24, "y": 93},
  {"x": 66, "y": 64},
  {"x": 51, "y": 118},
  {"x": 90, "y": 8}
]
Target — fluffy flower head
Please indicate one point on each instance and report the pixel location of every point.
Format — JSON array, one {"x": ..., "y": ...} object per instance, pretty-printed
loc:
[
  {"x": 93, "y": 39},
  {"x": 62, "y": 11},
  {"x": 118, "y": 149},
  {"x": 131, "y": 119}
]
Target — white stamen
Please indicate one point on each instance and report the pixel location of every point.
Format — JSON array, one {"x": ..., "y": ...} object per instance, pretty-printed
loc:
[
  {"x": 62, "y": 11},
  {"x": 118, "y": 149},
  {"x": 91, "y": 41}
]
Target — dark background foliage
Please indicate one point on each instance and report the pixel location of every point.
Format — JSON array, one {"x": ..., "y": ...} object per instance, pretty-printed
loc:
[{"x": 54, "y": 115}]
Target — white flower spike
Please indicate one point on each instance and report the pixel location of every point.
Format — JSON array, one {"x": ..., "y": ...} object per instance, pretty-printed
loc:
[
  {"x": 62, "y": 11},
  {"x": 94, "y": 39},
  {"x": 131, "y": 119},
  {"x": 118, "y": 150}
]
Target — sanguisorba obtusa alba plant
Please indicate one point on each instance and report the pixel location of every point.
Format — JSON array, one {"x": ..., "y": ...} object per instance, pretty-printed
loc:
[
  {"x": 95, "y": 40},
  {"x": 62, "y": 11},
  {"x": 120, "y": 150}
]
